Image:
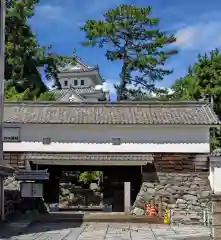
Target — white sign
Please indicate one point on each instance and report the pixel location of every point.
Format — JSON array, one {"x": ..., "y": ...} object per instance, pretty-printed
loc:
[
  {"x": 31, "y": 190},
  {"x": 11, "y": 134}
]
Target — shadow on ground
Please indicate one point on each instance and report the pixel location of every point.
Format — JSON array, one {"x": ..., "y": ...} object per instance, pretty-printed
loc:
[{"x": 18, "y": 226}]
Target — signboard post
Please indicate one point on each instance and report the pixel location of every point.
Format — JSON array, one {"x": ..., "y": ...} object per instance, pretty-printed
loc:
[
  {"x": 31, "y": 190},
  {"x": 31, "y": 182}
]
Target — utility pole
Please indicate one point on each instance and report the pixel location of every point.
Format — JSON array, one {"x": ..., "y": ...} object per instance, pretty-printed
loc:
[
  {"x": 2, "y": 70},
  {"x": 5, "y": 169}
]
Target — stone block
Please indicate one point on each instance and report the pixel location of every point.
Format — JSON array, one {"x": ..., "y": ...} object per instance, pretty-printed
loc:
[
  {"x": 182, "y": 206},
  {"x": 216, "y": 232},
  {"x": 149, "y": 185},
  {"x": 194, "y": 216},
  {"x": 190, "y": 197},
  {"x": 138, "y": 211},
  {"x": 216, "y": 219},
  {"x": 216, "y": 207}
]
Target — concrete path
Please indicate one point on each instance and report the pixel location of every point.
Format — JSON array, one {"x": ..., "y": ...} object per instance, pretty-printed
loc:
[{"x": 110, "y": 231}]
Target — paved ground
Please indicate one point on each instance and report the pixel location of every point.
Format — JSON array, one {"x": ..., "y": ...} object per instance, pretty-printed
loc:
[{"x": 110, "y": 231}]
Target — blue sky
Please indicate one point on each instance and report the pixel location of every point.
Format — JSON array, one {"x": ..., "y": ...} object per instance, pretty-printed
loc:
[{"x": 195, "y": 23}]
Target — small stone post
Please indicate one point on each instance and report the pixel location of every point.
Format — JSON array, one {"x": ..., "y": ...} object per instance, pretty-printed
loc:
[
  {"x": 127, "y": 197},
  {"x": 216, "y": 217}
]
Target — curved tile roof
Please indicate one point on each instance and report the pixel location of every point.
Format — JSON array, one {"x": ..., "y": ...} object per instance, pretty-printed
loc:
[
  {"x": 145, "y": 113},
  {"x": 78, "y": 67},
  {"x": 65, "y": 94}
]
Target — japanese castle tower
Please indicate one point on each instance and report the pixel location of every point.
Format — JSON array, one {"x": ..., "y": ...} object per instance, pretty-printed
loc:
[{"x": 80, "y": 83}]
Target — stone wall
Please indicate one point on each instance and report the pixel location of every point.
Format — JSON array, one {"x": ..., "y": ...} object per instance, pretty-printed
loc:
[
  {"x": 216, "y": 217},
  {"x": 187, "y": 195},
  {"x": 12, "y": 195}
]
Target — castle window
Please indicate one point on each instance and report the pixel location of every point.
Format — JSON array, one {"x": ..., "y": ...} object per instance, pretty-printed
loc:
[
  {"x": 65, "y": 83},
  {"x": 82, "y": 82},
  {"x": 75, "y": 82},
  {"x": 46, "y": 140},
  {"x": 116, "y": 141}
]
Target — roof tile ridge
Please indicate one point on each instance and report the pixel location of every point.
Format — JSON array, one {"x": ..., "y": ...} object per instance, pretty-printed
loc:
[
  {"x": 79, "y": 60},
  {"x": 212, "y": 112},
  {"x": 78, "y": 95}
]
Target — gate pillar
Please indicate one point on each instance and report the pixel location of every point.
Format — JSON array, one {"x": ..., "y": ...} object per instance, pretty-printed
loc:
[
  {"x": 127, "y": 197},
  {"x": 216, "y": 217}
]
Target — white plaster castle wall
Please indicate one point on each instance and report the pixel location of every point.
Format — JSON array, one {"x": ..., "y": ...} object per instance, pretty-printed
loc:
[
  {"x": 87, "y": 82},
  {"x": 105, "y": 133},
  {"x": 215, "y": 174}
]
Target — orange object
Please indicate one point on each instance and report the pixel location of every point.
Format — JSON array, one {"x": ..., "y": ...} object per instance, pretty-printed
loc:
[
  {"x": 153, "y": 211},
  {"x": 148, "y": 209}
]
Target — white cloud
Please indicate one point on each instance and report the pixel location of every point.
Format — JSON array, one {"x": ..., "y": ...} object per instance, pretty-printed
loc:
[
  {"x": 72, "y": 13},
  {"x": 107, "y": 87},
  {"x": 187, "y": 36},
  {"x": 201, "y": 36},
  {"x": 51, "y": 12},
  {"x": 99, "y": 6}
]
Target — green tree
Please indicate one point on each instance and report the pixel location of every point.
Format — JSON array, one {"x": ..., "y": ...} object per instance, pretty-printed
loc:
[
  {"x": 11, "y": 93},
  {"x": 140, "y": 94},
  {"x": 131, "y": 36},
  {"x": 46, "y": 96},
  {"x": 24, "y": 57},
  {"x": 203, "y": 80},
  {"x": 87, "y": 177},
  {"x": 187, "y": 88}
]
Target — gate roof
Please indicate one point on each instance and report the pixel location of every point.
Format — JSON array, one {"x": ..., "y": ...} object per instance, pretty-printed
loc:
[{"x": 127, "y": 113}]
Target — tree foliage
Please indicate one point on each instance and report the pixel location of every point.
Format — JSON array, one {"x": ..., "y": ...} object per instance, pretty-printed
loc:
[
  {"x": 203, "y": 80},
  {"x": 131, "y": 36},
  {"x": 11, "y": 93},
  {"x": 87, "y": 177},
  {"x": 140, "y": 94},
  {"x": 24, "y": 56}
]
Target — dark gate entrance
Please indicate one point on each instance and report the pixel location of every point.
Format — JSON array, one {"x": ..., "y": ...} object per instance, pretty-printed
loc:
[
  {"x": 114, "y": 178},
  {"x": 79, "y": 195},
  {"x": 112, "y": 187}
]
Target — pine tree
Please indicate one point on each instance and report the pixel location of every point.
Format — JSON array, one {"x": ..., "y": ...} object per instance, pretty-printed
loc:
[
  {"x": 131, "y": 36},
  {"x": 203, "y": 80},
  {"x": 24, "y": 56}
]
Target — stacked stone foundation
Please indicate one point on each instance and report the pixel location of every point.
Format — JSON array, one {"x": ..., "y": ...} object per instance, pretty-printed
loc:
[
  {"x": 216, "y": 217},
  {"x": 187, "y": 195}
]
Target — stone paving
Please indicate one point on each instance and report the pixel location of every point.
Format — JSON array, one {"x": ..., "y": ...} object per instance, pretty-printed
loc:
[{"x": 111, "y": 231}]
